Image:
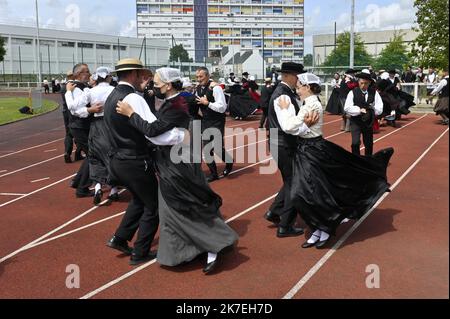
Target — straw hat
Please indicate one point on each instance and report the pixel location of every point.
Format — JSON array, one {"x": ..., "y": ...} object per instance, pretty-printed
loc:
[{"x": 130, "y": 64}]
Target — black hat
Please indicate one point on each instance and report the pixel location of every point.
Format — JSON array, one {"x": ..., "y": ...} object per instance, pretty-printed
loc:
[
  {"x": 292, "y": 67},
  {"x": 245, "y": 73},
  {"x": 231, "y": 74},
  {"x": 364, "y": 75},
  {"x": 392, "y": 72},
  {"x": 352, "y": 71}
]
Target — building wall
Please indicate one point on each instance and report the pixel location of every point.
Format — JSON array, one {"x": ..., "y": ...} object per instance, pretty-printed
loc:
[
  {"x": 60, "y": 50},
  {"x": 375, "y": 42},
  {"x": 239, "y": 22}
]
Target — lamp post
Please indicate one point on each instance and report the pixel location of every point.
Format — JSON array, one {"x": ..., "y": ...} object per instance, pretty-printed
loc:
[
  {"x": 352, "y": 37},
  {"x": 231, "y": 16},
  {"x": 38, "y": 45}
]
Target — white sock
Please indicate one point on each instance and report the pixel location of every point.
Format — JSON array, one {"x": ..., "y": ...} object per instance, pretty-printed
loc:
[
  {"x": 211, "y": 257},
  {"x": 98, "y": 187},
  {"x": 315, "y": 237},
  {"x": 346, "y": 220},
  {"x": 324, "y": 236},
  {"x": 113, "y": 191}
]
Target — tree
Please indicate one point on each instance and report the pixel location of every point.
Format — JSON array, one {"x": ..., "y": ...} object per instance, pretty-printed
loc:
[
  {"x": 430, "y": 49},
  {"x": 341, "y": 55},
  {"x": 178, "y": 52},
  {"x": 2, "y": 49},
  {"x": 308, "y": 60},
  {"x": 394, "y": 56}
]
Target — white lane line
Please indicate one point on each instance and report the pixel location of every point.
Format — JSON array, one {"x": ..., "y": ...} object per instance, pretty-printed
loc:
[
  {"x": 53, "y": 150},
  {"x": 333, "y": 250},
  {"x": 30, "y": 166},
  {"x": 11, "y": 194},
  {"x": 30, "y": 148},
  {"x": 27, "y": 246},
  {"x": 75, "y": 230},
  {"x": 36, "y": 191},
  {"x": 130, "y": 273},
  {"x": 40, "y": 180}
]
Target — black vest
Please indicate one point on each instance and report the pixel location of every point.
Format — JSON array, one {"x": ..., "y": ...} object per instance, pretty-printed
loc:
[
  {"x": 209, "y": 115},
  {"x": 78, "y": 122},
  {"x": 125, "y": 140},
  {"x": 284, "y": 139},
  {"x": 444, "y": 91},
  {"x": 359, "y": 99}
]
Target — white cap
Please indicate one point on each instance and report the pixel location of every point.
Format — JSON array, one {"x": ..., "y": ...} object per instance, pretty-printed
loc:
[
  {"x": 252, "y": 78},
  {"x": 308, "y": 78},
  {"x": 186, "y": 82},
  {"x": 102, "y": 72},
  {"x": 222, "y": 81},
  {"x": 169, "y": 75},
  {"x": 366, "y": 71},
  {"x": 384, "y": 76}
]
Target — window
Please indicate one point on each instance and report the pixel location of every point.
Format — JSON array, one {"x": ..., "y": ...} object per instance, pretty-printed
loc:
[
  {"x": 103, "y": 47},
  {"x": 122, "y": 48},
  {"x": 66, "y": 44},
  {"x": 85, "y": 45},
  {"x": 22, "y": 41}
]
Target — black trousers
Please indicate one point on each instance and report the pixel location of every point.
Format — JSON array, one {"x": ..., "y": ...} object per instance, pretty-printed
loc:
[
  {"x": 262, "y": 122},
  {"x": 82, "y": 180},
  {"x": 282, "y": 205},
  {"x": 367, "y": 134},
  {"x": 68, "y": 140},
  {"x": 217, "y": 144},
  {"x": 139, "y": 178}
]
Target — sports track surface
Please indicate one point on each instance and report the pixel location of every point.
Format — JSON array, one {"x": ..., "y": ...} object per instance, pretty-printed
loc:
[{"x": 44, "y": 228}]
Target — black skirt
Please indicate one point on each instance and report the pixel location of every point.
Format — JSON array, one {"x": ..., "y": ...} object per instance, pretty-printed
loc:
[
  {"x": 335, "y": 105},
  {"x": 99, "y": 148},
  {"x": 331, "y": 184},
  {"x": 242, "y": 105}
]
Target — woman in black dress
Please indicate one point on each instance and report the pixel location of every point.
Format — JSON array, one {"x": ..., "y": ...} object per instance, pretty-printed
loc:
[
  {"x": 334, "y": 105},
  {"x": 190, "y": 219},
  {"x": 329, "y": 184}
]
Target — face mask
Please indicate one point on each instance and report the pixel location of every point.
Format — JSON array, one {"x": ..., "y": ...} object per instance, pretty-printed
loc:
[{"x": 159, "y": 94}]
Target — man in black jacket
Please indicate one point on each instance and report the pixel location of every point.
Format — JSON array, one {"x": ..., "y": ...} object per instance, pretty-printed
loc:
[{"x": 282, "y": 147}]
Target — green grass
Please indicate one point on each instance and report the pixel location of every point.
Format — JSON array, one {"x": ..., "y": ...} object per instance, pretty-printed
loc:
[{"x": 9, "y": 109}]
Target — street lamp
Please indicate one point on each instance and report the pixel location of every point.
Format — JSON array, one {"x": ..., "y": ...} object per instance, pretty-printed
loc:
[
  {"x": 38, "y": 45},
  {"x": 231, "y": 16}
]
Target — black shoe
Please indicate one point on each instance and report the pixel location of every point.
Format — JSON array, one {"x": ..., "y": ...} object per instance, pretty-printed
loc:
[
  {"x": 98, "y": 197},
  {"x": 67, "y": 158},
  {"x": 120, "y": 245},
  {"x": 137, "y": 260},
  {"x": 211, "y": 266},
  {"x": 114, "y": 197},
  {"x": 321, "y": 244},
  {"x": 83, "y": 194},
  {"x": 308, "y": 245},
  {"x": 73, "y": 184},
  {"x": 271, "y": 217},
  {"x": 228, "y": 169},
  {"x": 211, "y": 178},
  {"x": 289, "y": 232}
]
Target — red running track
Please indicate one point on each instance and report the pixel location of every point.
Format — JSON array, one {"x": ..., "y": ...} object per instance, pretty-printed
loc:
[{"x": 406, "y": 235}]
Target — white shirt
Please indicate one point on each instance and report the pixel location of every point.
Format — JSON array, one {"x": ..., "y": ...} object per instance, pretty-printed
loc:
[
  {"x": 336, "y": 83},
  {"x": 353, "y": 110},
  {"x": 140, "y": 106},
  {"x": 77, "y": 103},
  {"x": 294, "y": 124},
  {"x": 98, "y": 94},
  {"x": 440, "y": 86},
  {"x": 431, "y": 80}
]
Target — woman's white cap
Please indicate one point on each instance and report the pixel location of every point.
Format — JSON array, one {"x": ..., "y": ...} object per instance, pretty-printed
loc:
[
  {"x": 308, "y": 78},
  {"x": 169, "y": 75}
]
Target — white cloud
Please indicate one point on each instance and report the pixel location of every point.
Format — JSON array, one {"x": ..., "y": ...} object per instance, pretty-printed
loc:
[{"x": 129, "y": 30}]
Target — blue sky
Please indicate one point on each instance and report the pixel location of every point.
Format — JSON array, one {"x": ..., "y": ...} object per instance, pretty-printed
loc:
[{"x": 119, "y": 16}]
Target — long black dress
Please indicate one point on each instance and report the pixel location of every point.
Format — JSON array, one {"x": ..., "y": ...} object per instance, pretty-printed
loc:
[
  {"x": 190, "y": 219},
  {"x": 334, "y": 105},
  {"x": 241, "y": 103},
  {"x": 330, "y": 184}
]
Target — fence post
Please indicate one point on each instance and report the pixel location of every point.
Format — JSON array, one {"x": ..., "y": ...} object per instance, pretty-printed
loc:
[
  {"x": 416, "y": 92},
  {"x": 326, "y": 91}
]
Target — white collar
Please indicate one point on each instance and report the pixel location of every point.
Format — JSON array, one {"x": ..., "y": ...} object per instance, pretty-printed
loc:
[
  {"x": 173, "y": 96},
  {"x": 126, "y": 83}
]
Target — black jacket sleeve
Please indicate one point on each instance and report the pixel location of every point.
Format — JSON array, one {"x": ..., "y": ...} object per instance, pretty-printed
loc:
[{"x": 169, "y": 119}]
